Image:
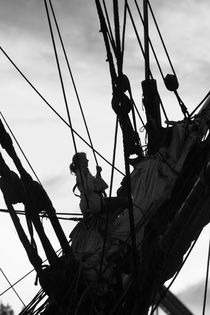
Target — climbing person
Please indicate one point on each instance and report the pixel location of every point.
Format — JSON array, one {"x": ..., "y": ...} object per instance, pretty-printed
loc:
[{"x": 92, "y": 188}]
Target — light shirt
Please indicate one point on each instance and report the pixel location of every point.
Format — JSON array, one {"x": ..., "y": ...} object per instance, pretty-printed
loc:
[{"x": 91, "y": 188}]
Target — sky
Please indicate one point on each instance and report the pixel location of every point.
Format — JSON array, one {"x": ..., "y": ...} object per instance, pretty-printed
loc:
[{"x": 46, "y": 140}]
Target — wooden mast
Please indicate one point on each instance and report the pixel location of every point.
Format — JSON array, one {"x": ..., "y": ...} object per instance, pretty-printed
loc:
[
  {"x": 146, "y": 40},
  {"x": 151, "y": 98}
]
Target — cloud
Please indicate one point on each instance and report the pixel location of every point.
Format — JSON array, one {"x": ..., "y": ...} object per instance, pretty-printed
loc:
[{"x": 54, "y": 182}]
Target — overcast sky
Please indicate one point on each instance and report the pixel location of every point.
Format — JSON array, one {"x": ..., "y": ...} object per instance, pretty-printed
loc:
[{"x": 46, "y": 140}]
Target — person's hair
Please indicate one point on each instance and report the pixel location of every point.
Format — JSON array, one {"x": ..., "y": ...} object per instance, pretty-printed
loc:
[{"x": 76, "y": 160}]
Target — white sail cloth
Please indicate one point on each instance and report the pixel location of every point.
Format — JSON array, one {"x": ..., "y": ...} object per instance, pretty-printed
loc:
[{"x": 152, "y": 182}]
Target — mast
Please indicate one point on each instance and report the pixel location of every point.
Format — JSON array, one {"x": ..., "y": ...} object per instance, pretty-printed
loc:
[
  {"x": 151, "y": 98},
  {"x": 146, "y": 40}
]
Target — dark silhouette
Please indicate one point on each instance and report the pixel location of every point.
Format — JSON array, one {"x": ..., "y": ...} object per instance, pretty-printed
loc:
[
  {"x": 122, "y": 106},
  {"x": 92, "y": 188}
]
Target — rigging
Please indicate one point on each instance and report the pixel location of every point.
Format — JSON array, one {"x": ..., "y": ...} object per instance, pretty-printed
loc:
[{"x": 119, "y": 53}]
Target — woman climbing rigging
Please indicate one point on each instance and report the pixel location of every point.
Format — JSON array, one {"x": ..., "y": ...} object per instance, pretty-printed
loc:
[{"x": 92, "y": 188}]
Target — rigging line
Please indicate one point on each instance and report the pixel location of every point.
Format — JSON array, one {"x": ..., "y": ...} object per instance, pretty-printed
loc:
[
  {"x": 151, "y": 45},
  {"x": 110, "y": 193},
  {"x": 136, "y": 32},
  {"x": 23, "y": 277},
  {"x": 106, "y": 41},
  {"x": 141, "y": 223},
  {"x": 117, "y": 37},
  {"x": 34, "y": 302},
  {"x": 120, "y": 54},
  {"x": 7, "y": 211},
  {"x": 131, "y": 222},
  {"x": 62, "y": 83},
  {"x": 72, "y": 78},
  {"x": 161, "y": 38},
  {"x": 132, "y": 110},
  {"x": 176, "y": 275},
  {"x": 12, "y": 287},
  {"x": 109, "y": 29},
  {"x": 148, "y": 217},
  {"x": 206, "y": 282},
  {"x": 183, "y": 107},
  {"x": 144, "y": 57},
  {"x": 207, "y": 95},
  {"x": 114, "y": 155},
  {"x": 50, "y": 106},
  {"x": 17, "y": 282},
  {"x": 163, "y": 265},
  {"x": 70, "y": 219},
  {"x": 138, "y": 114},
  {"x": 45, "y": 216},
  {"x": 32, "y": 169},
  {"x": 141, "y": 47},
  {"x": 60, "y": 74},
  {"x": 174, "y": 278},
  {"x": 61, "y": 213},
  {"x": 42, "y": 215},
  {"x": 123, "y": 32}
]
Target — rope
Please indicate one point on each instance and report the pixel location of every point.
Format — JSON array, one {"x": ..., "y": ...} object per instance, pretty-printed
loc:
[
  {"x": 60, "y": 75},
  {"x": 203, "y": 100},
  {"x": 138, "y": 113},
  {"x": 206, "y": 282},
  {"x": 174, "y": 278},
  {"x": 123, "y": 32},
  {"x": 2, "y": 293},
  {"x": 73, "y": 81},
  {"x": 110, "y": 193},
  {"x": 117, "y": 37},
  {"x": 118, "y": 45},
  {"x": 118, "y": 53},
  {"x": 63, "y": 89},
  {"x": 136, "y": 32},
  {"x": 131, "y": 222},
  {"x": 32, "y": 169},
  {"x": 37, "y": 299},
  {"x": 182, "y": 106},
  {"x": 109, "y": 30},
  {"x": 184, "y": 228},
  {"x": 104, "y": 31},
  {"x": 12, "y": 287},
  {"x": 145, "y": 219},
  {"x": 151, "y": 45},
  {"x": 48, "y": 104},
  {"x": 30, "y": 308},
  {"x": 23, "y": 277},
  {"x": 142, "y": 50},
  {"x": 19, "y": 212},
  {"x": 161, "y": 38}
]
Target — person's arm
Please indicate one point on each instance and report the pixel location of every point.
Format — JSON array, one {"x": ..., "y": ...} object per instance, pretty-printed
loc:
[{"x": 102, "y": 185}]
